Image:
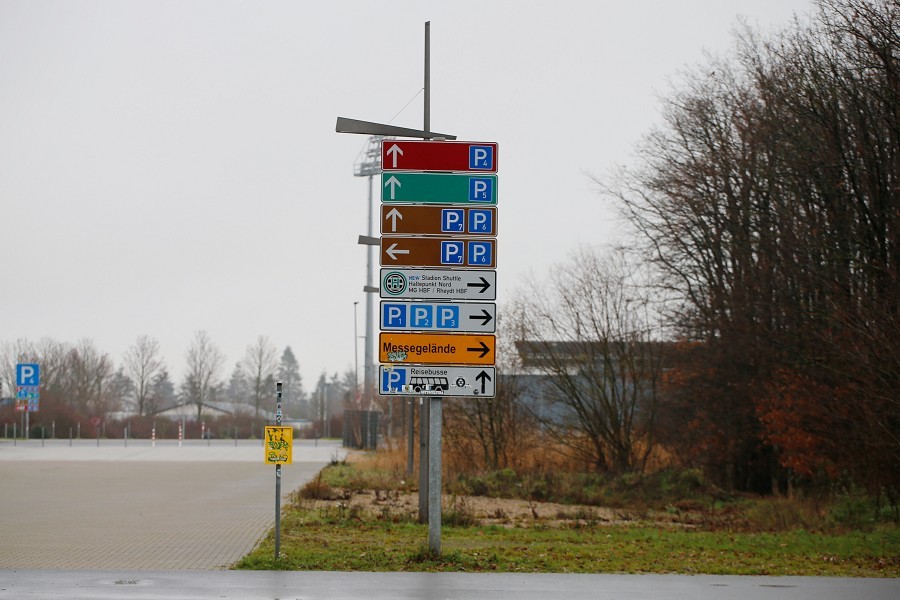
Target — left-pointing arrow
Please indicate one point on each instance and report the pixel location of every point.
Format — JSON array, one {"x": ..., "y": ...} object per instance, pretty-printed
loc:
[{"x": 393, "y": 251}]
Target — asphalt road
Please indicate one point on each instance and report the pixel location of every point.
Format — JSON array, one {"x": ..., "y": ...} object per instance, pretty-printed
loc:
[{"x": 269, "y": 585}]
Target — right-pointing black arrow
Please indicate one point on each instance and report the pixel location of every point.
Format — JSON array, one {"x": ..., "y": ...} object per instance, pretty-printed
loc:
[
  {"x": 484, "y": 349},
  {"x": 484, "y": 285},
  {"x": 485, "y": 317},
  {"x": 483, "y": 377}
]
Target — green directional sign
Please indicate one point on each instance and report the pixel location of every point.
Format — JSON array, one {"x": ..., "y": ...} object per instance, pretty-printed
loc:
[{"x": 438, "y": 188}]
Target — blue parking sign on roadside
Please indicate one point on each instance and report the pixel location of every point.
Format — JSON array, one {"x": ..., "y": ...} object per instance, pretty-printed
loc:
[{"x": 28, "y": 374}]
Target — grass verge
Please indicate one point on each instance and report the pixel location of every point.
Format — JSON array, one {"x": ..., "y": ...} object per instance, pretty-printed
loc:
[
  {"x": 337, "y": 539},
  {"x": 325, "y": 528}
]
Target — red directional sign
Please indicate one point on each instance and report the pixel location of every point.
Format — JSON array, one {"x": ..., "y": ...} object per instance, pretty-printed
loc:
[{"x": 477, "y": 157}]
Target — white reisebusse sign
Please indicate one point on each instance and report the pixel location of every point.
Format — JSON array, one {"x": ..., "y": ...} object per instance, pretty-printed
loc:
[
  {"x": 422, "y": 380},
  {"x": 438, "y": 284}
]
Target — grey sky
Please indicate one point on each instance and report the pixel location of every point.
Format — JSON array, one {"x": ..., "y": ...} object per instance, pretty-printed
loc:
[{"x": 172, "y": 166}]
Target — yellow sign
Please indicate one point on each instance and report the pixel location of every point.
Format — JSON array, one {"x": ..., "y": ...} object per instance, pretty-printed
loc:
[
  {"x": 436, "y": 348},
  {"x": 279, "y": 445}
]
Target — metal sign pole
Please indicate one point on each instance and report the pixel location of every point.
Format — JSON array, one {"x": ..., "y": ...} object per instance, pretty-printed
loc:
[
  {"x": 434, "y": 478},
  {"x": 278, "y": 477},
  {"x": 423, "y": 459}
]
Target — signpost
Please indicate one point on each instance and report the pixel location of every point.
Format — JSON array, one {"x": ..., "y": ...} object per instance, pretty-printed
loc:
[
  {"x": 438, "y": 284},
  {"x": 459, "y": 317},
  {"x": 28, "y": 391},
  {"x": 279, "y": 442},
  {"x": 439, "y": 188},
  {"x": 458, "y": 236},
  {"x": 436, "y": 348},
  {"x": 420, "y": 219},
  {"x": 396, "y": 380},
  {"x": 437, "y": 252}
]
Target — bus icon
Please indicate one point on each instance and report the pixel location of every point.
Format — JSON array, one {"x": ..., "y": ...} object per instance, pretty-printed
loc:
[{"x": 429, "y": 384}]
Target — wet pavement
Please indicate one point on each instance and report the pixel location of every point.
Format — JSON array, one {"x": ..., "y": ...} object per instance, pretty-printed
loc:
[{"x": 268, "y": 585}]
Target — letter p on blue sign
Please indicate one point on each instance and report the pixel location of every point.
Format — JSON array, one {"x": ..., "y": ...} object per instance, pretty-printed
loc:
[
  {"x": 393, "y": 381},
  {"x": 28, "y": 375}
]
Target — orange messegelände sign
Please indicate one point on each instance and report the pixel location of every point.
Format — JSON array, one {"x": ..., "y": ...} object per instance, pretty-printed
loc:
[{"x": 436, "y": 348}]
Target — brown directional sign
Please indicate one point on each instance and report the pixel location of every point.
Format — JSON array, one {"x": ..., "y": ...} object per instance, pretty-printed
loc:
[
  {"x": 438, "y": 252},
  {"x": 436, "y": 348},
  {"x": 438, "y": 220}
]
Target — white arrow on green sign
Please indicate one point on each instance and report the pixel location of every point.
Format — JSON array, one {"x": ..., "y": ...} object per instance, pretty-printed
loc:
[{"x": 439, "y": 188}]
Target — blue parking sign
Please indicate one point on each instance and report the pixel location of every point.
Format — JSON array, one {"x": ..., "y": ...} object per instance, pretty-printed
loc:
[
  {"x": 28, "y": 375},
  {"x": 393, "y": 380},
  {"x": 481, "y": 158}
]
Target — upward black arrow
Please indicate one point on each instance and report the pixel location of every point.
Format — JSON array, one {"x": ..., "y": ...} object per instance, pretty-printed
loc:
[
  {"x": 483, "y": 377},
  {"x": 484, "y": 285}
]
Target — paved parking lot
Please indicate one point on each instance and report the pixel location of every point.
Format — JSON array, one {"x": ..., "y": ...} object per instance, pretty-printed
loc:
[{"x": 198, "y": 506}]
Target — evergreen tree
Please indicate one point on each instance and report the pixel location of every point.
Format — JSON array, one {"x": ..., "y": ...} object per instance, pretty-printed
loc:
[{"x": 293, "y": 397}]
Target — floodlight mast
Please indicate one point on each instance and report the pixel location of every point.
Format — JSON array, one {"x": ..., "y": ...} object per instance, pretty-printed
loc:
[{"x": 368, "y": 164}]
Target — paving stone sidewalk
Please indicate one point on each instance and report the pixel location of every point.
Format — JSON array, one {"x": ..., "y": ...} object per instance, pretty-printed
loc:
[{"x": 163, "y": 508}]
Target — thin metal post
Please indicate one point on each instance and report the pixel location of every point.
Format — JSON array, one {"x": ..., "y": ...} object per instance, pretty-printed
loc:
[
  {"x": 355, "y": 349},
  {"x": 277, "y": 477},
  {"x": 423, "y": 459},
  {"x": 434, "y": 476},
  {"x": 423, "y": 404},
  {"x": 411, "y": 437},
  {"x": 427, "y": 124},
  {"x": 368, "y": 358}
]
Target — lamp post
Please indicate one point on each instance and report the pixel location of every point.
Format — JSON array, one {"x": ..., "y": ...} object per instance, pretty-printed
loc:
[{"x": 355, "y": 349}]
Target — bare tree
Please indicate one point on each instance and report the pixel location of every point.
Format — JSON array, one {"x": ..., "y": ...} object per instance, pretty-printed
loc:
[
  {"x": 592, "y": 334},
  {"x": 90, "y": 373},
  {"x": 494, "y": 431},
  {"x": 142, "y": 364},
  {"x": 204, "y": 362},
  {"x": 768, "y": 201},
  {"x": 259, "y": 366}
]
